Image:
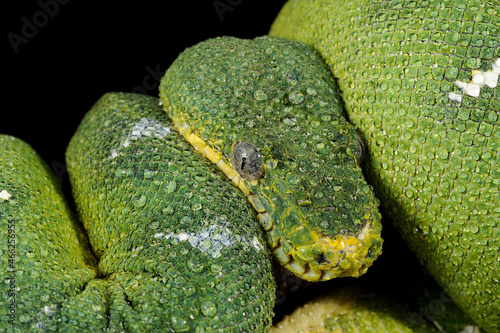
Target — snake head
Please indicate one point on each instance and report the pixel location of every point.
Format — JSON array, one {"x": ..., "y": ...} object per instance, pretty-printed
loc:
[{"x": 269, "y": 114}]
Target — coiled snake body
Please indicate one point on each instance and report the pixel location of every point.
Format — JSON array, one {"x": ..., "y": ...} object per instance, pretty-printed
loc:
[{"x": 173, "y": 246}]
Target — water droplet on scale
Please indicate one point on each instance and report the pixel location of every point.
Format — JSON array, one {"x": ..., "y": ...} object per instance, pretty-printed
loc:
[
  {"x": 296, "y": 97},
  {"x": 260, "y": 95},
  {"x": 208, "y": 308},
  {"x": 290, "y": 121}
]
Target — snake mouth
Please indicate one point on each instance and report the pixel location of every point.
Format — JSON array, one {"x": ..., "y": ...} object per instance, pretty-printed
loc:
[{"x": 327, "y": 257}]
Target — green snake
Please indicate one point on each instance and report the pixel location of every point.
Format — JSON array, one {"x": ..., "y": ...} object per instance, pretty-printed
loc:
[
  {"x": 420, "y": 80},
  {"x": 174, "y": 246}
]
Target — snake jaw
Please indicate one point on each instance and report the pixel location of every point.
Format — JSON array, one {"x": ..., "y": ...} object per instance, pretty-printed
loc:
[{"x": 326, "y": 258}]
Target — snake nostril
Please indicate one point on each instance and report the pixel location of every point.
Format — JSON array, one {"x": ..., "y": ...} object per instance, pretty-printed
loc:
[{"x": 322, "y": 259}]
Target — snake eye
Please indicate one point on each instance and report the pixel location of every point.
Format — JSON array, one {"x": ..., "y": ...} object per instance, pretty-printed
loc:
[
  {"x": 360, "y": 148},
  {"x": 247, "y": 160}
]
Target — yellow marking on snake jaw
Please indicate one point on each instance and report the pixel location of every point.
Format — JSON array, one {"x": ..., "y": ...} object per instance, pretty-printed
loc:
[
  {"x": 253, "y": 182},
  {"x": 183, "y": 128},
  {"x": 197, "y": 142},
  {"x": 296, "y": 268},
  {"x": 337, "y": 243},
  {"x": 216, "y": 158},
  {"x": 212, "y": 155},
  {"x": 350, "y": 259},
  {"x": 351, "y": 241},
  {"x": 257, "y": 205},
  {"x": 228, "y": 171},
  {"x": 246, "y": 191},
  {"x": 265, "y": 221}
]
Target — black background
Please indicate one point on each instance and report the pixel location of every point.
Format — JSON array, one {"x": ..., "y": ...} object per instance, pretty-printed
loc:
[{"x": 87, "y": 49}]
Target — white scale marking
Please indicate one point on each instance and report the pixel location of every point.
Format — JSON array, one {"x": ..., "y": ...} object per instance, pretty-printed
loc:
[
  {"x": 144, "y": 127},
  {"x": 5, "y": 195},
  {"x": 470, "y": 329},
  {"x": 479, "y": 80},
  {"x": 212, "y": 239}
]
